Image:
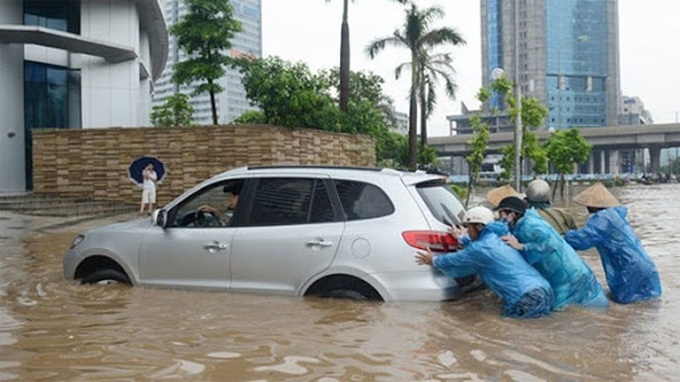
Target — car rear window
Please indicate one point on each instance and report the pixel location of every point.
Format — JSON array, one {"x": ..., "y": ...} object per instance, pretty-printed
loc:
[
  {"x": 442, "y": 201},
  {"x": 362, "y": 200}
]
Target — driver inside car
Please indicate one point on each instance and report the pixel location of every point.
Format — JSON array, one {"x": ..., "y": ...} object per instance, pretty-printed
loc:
[{"x": 225, "y": 216}]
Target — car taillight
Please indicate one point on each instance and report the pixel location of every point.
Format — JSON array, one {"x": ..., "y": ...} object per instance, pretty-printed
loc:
[{"x": 435, "y": 240}]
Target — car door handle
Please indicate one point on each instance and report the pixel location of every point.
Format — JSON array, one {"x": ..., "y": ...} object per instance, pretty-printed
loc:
[
  {"x": 319, "y": 243},
  {"x": 215, "y": 246}
]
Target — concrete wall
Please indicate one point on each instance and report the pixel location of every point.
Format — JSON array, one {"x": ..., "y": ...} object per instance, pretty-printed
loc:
[
  {"x": 94, "y": 162},
  {"x": 12, "y": 173}
]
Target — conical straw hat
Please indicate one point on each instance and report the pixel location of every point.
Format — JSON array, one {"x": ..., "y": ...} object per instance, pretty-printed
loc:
[
  {"x": 499, "y": 193},
  {"x": 596, "y": 196}
]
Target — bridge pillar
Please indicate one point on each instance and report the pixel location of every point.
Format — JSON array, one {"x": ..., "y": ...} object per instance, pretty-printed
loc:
[
  {"x": 614, "y": 167},
  {"x": 655, "y": 159}
]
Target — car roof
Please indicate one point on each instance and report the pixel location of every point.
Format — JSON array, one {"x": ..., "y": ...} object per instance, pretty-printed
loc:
[{"x": 358, "y": 172}]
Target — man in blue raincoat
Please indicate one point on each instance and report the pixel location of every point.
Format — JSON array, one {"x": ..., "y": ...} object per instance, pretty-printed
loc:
[
  {"x": 543, "y": 247},
  {"x": 524, "y": 292},
  {"x": 631, "y": 273}
]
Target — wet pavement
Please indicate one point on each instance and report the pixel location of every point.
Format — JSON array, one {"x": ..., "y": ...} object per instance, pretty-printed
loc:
[{"x": 53, "y": 329}]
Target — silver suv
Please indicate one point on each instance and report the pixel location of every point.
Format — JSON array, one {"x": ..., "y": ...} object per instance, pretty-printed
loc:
[{"x": 296, "y": 230}]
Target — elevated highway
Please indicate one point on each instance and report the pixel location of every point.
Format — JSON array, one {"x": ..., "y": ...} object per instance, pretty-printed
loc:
[{"x": 607, "y": 141}]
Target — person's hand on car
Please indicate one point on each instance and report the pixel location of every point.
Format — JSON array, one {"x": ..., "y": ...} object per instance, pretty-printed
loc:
[
  {"x": 424, "y": 257},
  {"x": 457, "y": 231}
]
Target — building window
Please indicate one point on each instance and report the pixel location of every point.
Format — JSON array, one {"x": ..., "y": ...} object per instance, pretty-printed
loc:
[
  {"x": 62, "y": 15},
  {"x": 51, "y": 100},
  {"x": 51, "y": 96}
]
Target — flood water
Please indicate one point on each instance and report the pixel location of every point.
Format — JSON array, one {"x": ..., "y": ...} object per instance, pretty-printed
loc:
[{"x": 53, "y": 329}]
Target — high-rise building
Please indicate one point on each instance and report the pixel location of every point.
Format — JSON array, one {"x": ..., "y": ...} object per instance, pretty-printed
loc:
[
  {"x": 563, "y": 52},
  {"x": 232, "y": 102},
  {"x": 71, "y": 64}
]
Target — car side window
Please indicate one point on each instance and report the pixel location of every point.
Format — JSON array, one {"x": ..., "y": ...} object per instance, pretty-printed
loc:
[
  {"x": 285, "y": 201},
  {"x": 321, "y": 208},
  {"x": 216, "y": 195},
  {"x": 362, "y": 200}
]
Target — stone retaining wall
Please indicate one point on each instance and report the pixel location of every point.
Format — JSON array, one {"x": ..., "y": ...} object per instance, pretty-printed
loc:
[{"x": 94, "y": 163}]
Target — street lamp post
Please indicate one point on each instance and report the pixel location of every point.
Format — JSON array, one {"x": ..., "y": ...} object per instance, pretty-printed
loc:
[
  {"x": 582, "y": 38},
  {"x": 518, "y": 117}
]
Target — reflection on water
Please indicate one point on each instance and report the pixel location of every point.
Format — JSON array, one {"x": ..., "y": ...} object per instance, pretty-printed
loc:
[{"x": 54, "y": 329}]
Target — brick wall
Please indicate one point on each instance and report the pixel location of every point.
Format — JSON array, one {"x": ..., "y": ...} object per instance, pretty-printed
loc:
[{"x": 93, "y": 163}]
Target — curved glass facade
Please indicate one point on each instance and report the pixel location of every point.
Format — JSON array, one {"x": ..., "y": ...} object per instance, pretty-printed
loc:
[{"x": 117, "y": 47}]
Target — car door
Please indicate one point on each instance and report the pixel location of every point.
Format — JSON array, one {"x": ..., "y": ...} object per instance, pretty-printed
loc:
[
  {"x": 190, "y": 252},
  {"x": 186, "y": 257},
  {"x": 292, "y": 234}
]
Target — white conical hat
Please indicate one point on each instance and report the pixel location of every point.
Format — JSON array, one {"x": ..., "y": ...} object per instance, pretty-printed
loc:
[
  {"x": 499, "y": 193},
  {"x": 597, "y": 196}
]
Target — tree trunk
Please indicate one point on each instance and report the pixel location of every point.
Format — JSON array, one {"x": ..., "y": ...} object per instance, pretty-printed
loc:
[
  {"x": 423, "y": 115},
  {"x": 413, "y": 118},
  {"x": 412, "y": 131},
  {"x": 213, "y": 105},
  {"x": 344, "y": 61}
]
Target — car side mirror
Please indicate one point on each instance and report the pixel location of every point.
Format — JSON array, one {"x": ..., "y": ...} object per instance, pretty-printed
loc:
[{"x": 159, "y": 218}]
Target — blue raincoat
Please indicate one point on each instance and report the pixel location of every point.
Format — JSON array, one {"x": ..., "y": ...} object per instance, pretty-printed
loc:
[
  {"x": 631, "y": 273},
  {"x": 524, "y": 291},
  {"x": 571, "y": 278}
]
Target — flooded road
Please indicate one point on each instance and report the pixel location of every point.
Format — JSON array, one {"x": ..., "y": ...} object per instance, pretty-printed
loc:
[{"x": 53, "y": 329}]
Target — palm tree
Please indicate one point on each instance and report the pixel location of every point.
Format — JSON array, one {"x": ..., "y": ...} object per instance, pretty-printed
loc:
[
  {"x": 344, "y": 55},
  {"x": 419, "y": 39},
  {"x": 430, "y": 69}
]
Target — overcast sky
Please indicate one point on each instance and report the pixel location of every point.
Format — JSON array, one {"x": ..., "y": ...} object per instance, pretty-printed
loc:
[{"x": 309, "y": 31}]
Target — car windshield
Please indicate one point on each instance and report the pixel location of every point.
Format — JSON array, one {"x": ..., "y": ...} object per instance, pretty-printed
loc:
[{"x": 442, "y": 201}]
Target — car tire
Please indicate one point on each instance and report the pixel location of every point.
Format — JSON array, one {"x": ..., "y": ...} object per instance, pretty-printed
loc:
[
  {"x": 106, "y": 276},
  {"x": 348, "y": 294}
]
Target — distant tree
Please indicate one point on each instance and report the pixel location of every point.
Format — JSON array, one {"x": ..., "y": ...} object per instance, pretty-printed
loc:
[
  {"x": 533, "y": 114},
  {"x": 392, "y": 151},
  {"x": 345, "y": 56},
  {"x": 288, "y": 94},
  {"x": 291, "y": 95},
  {"x": 566, "y": 148},
  {"x": 250, "y": 116},
  {"x": 419, "y": 39},
  {"x": 430, "y": 69},
  {"x": 205, "y": 34},
  {"x": 175, "y": 111},
  {"x": 479, "y": 143},
  {"x": 365, "y": 87}
]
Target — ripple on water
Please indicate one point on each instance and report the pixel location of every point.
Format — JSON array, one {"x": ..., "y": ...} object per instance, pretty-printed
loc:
[
  {"x": 180, "y": 368},
  {"x": 223, "y": 355},
  {"x": 291, "y": 365}
]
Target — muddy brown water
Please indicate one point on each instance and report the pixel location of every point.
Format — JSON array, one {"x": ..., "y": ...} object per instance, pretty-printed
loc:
[{"x": 53, "y": 329}]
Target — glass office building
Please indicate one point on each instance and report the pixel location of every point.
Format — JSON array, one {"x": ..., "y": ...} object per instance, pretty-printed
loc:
[
  {"x": 70, "y": 64},
  {"x": 563, "y": 52},
  {"x": 232, "y": 102}
]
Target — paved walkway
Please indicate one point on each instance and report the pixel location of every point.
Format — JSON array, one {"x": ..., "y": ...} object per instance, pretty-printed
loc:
[{"x": 47, "y": 212}]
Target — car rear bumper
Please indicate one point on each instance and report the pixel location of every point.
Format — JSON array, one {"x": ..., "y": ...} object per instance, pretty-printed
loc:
[{"x": 426, "y": 285}]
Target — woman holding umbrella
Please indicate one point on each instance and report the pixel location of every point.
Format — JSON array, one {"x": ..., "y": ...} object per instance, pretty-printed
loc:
[{"x": 149, "y": 177}]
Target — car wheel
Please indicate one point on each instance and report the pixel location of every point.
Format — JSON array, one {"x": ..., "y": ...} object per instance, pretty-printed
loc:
[
  {"x": 347, "y": 293},
  {"x": 106, "y": 276}
]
